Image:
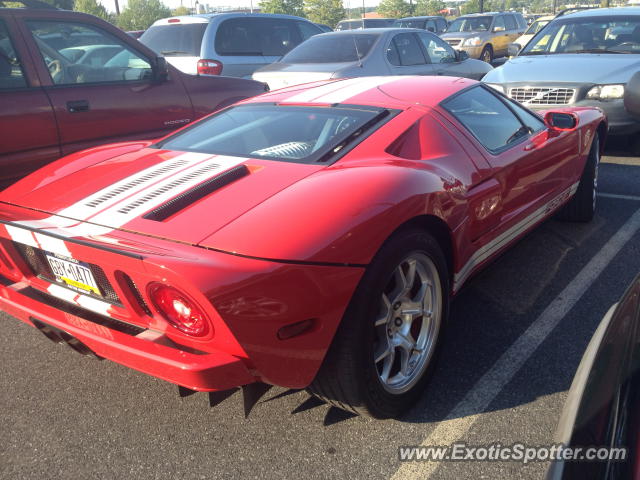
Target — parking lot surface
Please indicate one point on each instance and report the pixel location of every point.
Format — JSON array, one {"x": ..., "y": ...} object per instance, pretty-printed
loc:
[{"x": 515, "y": 337}]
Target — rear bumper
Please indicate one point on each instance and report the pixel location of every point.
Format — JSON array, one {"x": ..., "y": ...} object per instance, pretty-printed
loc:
[{"x": 148, "y": 351}]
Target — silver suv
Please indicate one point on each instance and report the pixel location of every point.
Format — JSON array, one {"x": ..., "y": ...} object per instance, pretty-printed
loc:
[
  {"x": 485, "y": 35},
  {"x": 232, "y": 44}
]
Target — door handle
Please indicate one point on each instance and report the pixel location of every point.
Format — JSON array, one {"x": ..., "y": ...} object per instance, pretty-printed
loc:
[{"x": 76, "y": 106}]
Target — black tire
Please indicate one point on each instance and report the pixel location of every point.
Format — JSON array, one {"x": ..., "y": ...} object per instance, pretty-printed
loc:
[
  {"x": 582, "y": 206},
  {"x": 487, "y": 54},
  {"x": 349, "y": 378}
]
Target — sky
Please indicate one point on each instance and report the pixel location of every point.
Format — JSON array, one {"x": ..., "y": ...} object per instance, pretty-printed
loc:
[{"x": 110, "y": 4}]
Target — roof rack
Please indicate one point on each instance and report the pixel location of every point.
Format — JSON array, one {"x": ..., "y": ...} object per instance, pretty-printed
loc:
[{"x": 36, "y": 4}]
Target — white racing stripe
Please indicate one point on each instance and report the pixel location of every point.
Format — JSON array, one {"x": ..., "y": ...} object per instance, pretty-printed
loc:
[
  {"x": 340, "y": 91},
  {"x": 89, "y": 303},
  {"x": 489, "y": 249},
  {"x": 464, "y": 415}
]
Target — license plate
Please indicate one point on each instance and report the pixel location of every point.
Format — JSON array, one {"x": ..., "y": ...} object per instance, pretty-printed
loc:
[{"x": 73, "y": 273}]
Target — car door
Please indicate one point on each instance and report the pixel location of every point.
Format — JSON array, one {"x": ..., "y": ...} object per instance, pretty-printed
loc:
[
  {"x": 529, "y": 168},
  {"x": 28, "y": 132},
  {"x": 443, "y": 58},
  {"x": 513, "y": 31},
  {"x": 405, "y": 56},
  {"x": 96, "y": 104},
  {"x": 500, "y": 38}
]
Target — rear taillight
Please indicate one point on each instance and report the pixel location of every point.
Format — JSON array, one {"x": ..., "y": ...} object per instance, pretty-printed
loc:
[
  {"x": 209, "y": 67},
  {"x": 179, "y": 310}
]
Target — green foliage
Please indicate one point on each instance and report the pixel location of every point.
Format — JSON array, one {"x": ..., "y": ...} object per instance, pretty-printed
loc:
[
  {"x": 140, "y": 14},
  {"x": 92, "y": 7},
  {"x": 180, "y": 11},
  {"x": 289, "y": 7},
  {"x": 429, "y": 7},
  {"x": 394, "y": 8},
  {"x": 329, "y": 12}
]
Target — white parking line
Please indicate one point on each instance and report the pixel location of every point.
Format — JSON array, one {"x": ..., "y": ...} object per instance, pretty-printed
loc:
[
  {"x": 464, "y": 414},
  {"x": 620, "y": 197}
]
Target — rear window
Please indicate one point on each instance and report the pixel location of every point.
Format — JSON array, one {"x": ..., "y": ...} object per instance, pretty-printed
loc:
[
  {"x": 349, "y": 25},
  {"x": 175, "y": 39},
  {"x": 410, "y": 24},
  {"x": 332, "y": 49},
  {"x": 257, "y": 36},
  {"x": 286, "y": 133}
]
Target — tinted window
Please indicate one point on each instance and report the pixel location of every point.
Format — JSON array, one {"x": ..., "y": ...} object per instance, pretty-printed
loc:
[
  {"x": 438, "y": 50},
  {"x": 442, "y": 24},
  {"x": 308, "y": 30},
  {"x": 410, "y": 24},
  {"x": 487, "y": 117},
  {"x": 431, "y": 26},
  {"x": 499, "y": 25},
  {"x": 408, "y": 50},
  {"x": 349, "y": 25},
  {"x": 11, "y": 74},
  {"x": 470, "y": 24},
  {"x": 600, "y": 35},
  {"x": 175, "y": 39},
  {"x": 256, "y": 36},
  {"x": 510, "y": 22},
  {"x": 69, "y": 63},
  {"x": 302, "y": 134},
  {"x": 332, "y": 48}
]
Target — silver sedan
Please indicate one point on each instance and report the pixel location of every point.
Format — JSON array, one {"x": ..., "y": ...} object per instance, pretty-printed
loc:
[{"x": 370, "y": 52}]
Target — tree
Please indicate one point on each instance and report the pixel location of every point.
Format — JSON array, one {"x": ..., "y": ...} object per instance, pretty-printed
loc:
[
  {"x": 329, "y": 12},
  {"x": 429, "y": 7},
  {"x": 394, "y": 8},
  {"x": 94, "y": 8},
  {"x": 140, "y": 14},
  {"x": 180, "y": 11},
  {"x": 289, "y": 7}
]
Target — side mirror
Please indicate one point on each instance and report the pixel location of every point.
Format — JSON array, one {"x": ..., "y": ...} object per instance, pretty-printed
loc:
[
  {"x": 461, "y": 55},
  {"x": 561, "y": 121},
  {"x": 513, "y": 49},
  {"x": 498, "y": 29},
  {"x": 632, "y": 95},
  {"x": 160, "y": 70}
]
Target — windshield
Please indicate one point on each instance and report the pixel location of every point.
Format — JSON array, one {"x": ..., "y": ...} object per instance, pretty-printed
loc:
[
  {"x": 332, "y": 49},
  {"x": 175, "y": 39},
  {"x": 470, "y": 24},
  {"x": 588, "y": 35},
  {"x": 410, "y": 24},
  {"x": 286, "y": 133},
  {"x": 536, "y": 26}
]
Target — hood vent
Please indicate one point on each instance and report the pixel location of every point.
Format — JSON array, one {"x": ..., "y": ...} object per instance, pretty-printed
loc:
[{"x": 194, "y": 194}]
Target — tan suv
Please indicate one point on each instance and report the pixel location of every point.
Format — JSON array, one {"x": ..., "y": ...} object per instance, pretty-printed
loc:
[{"x": 485, "y": 35}]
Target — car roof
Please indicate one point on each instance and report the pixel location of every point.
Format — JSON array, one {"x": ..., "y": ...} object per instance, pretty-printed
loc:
[
  {"x": 207, "y": 17},
  {"x": 369, "y": 31},
  {"x": 400, "y": 92},
  {"x": 604, "y": 12},
  {"x": 421, "y": 17}
]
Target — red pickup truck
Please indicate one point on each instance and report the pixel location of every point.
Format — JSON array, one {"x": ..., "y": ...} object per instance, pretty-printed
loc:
[{"x": 70, "y": 81}]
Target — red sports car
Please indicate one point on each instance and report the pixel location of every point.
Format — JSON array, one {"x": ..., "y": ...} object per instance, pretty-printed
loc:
[{"x": 309, "y": 237}]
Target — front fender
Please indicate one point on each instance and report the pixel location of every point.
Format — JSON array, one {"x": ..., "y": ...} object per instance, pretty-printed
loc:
[{"x": 339, "y": 215}]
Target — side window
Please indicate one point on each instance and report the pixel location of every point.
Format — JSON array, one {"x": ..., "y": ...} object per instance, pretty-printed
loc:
[
  {"x": 487, "y": 118},
  {"x": 11, "y": 74},
  {"x": 510, "y": 22},
  {"x": 498, "y": 25},
  {"x": 438, "y": 50},
  {"x": 256, "y": 36},
  {"x": 534, "y": 122},
  {"x": 442, "y": 24},
  {"x": 430, "y": 26},
  {"x": 78, "y": 53},
  {"x": 307, "y": 30},
  {"x": 408, "y": 50}
]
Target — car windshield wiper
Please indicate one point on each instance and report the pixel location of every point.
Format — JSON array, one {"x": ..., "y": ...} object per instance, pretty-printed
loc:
[
  {"x": 174, "y": 52},
  {"x": 594, "y": 50}
]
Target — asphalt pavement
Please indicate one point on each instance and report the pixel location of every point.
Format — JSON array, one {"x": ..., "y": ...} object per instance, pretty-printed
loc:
[{"x": 66, "y": 416}]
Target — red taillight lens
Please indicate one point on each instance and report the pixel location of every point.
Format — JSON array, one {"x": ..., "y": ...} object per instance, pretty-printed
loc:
[
  {"x": 209, "y": 67},
  {"x": 179, "y": 310}
]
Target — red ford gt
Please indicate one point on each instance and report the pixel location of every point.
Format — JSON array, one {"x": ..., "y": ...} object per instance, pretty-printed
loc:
[{"x": 309, "y": 237}]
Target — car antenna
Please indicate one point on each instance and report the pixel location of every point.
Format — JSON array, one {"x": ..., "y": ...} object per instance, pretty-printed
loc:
[{"x": 355, "y": 44}]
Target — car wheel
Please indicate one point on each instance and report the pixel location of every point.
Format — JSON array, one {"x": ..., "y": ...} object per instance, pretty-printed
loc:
[
  {"x": 385, "y": 348},
  {"x": 487, "y": 54},
  {"x": 582, "y": 205}
]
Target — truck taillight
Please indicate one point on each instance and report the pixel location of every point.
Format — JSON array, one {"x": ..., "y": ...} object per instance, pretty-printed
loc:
[{"x": 209, "y": 67}]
